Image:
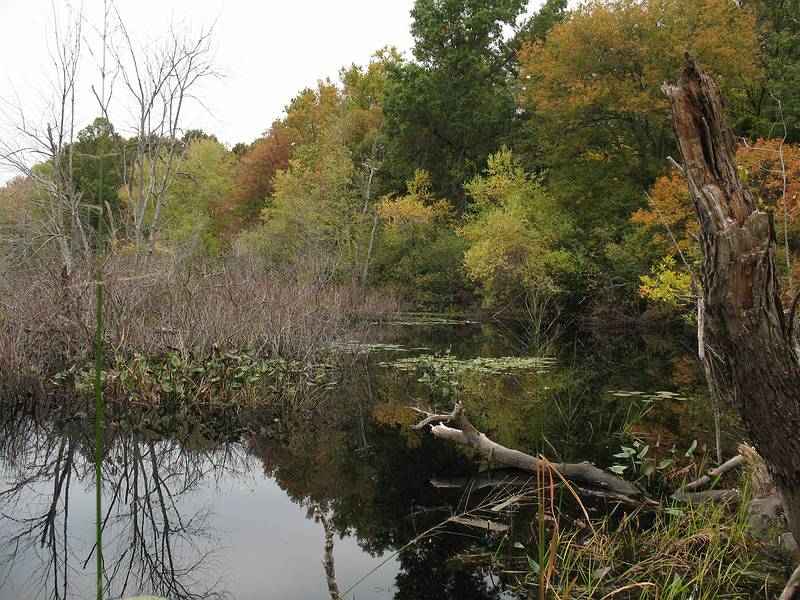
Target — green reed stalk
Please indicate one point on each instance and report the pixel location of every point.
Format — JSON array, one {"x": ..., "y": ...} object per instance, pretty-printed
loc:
[{"x": 98, "y": 388}]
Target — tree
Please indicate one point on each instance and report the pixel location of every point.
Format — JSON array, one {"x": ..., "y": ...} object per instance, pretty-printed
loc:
[
  {"x": 205, "y": 179},
  {"x": 42, "y": 151},
  {"x": 420, "y": 252},
  {"x": 160, "y": 80},
  {"x": 539, "y": 24},
  {"x": 517, "y": 235},
  {"x": 780, "y": 24},
  {"x": 672, "y": 231},
  {"x": 449, "y": 110},
  {"x": 97, "y": 165},
  {"x": 590, "y": 94},
  {"x": 744, "y": 334},
  {"x": 254, "y": 179}
]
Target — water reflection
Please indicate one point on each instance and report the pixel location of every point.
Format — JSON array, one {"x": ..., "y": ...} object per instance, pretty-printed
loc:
[
  {"x": 307, "y": 514},
  {"x": 153, "y": 540}
]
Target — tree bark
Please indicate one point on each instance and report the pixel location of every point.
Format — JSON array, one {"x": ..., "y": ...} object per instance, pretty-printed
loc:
[{"x": 748, "y": 346}]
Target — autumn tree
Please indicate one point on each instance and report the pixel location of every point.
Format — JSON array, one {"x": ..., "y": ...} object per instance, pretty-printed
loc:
[
  {"x": 254, "y": 179},
  {"x": 518, "y": 237},
  {"x": 420, "y": 251},
  {"x": 671, "y": 230},
  {"x": 590, "y": 92}
]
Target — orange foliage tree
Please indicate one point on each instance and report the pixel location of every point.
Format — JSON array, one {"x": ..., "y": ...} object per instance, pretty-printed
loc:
[{"x": 772, "y": 172}]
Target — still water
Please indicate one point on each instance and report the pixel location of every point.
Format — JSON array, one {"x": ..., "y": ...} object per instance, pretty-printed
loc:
[{"x": 245, "y": 515}]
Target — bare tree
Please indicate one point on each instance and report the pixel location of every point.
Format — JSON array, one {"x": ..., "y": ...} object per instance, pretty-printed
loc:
[
  {"x": 56, "y": 213},
  {"x": 747, "y": 337},
  {"x": 160, "y": 79}
]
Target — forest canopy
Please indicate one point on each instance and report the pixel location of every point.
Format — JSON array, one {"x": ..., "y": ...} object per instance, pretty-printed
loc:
[{"x": 508, "y": 154}]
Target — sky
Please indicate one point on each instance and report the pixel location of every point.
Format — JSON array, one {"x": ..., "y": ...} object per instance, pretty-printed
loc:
[{"x": 266, "y": 51}]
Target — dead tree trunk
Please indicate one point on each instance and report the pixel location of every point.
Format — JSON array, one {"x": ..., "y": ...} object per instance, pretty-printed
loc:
[{"x": 746, "y": 334}]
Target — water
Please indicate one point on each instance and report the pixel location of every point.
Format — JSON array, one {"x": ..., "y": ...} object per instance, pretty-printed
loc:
[{"x": 202, "y": 518}]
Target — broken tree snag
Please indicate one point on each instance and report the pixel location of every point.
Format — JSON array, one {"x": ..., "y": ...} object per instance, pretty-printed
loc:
[
  {"x": 467, "y": 435},
  {"x": 745, "y": 332}
]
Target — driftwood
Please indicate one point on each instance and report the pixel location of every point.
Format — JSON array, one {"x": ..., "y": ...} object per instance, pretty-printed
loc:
[
  {"x": 466, "y": 434},
  {"x": 596, "y": 482},
  {"x": 719, "y": 471},
  {"x": 746, "y": 335}
]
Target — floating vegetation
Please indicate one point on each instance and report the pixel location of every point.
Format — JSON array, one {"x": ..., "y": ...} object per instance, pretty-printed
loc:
[
  {"x": 421, "y": 318},
  {"x": 357, "y": 347},
  {"x": 482, "y": 364},
  {"x": 222, "y": 378},
  {"x": 647, "y": 396}
]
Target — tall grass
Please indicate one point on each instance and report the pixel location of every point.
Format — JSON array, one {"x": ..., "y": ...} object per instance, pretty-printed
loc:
[{"x": 690, "y": 551}]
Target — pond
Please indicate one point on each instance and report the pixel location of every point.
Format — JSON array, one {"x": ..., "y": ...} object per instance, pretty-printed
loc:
[{"x": 246, "y": 515}]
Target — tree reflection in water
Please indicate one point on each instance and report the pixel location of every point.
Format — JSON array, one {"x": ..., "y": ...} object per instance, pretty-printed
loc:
[{"x": 152, "y": 542}]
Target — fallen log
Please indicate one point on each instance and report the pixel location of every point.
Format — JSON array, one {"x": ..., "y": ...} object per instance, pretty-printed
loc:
[{"x": 467, "y": 435}]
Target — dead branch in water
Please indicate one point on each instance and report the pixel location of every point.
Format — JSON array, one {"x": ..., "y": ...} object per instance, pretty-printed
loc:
[{"x": 467, "y": 435}]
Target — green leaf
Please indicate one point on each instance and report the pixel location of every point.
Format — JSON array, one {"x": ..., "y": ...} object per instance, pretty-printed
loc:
[
  {"x": 618, "y": 469},
  {"x": 647, "y": 468},
  {"x": 665, "y": 463},
  {"x": 690, "y": 451},
  {"x": 533, "y": 564},
  {"x": 643, "y": 452}
]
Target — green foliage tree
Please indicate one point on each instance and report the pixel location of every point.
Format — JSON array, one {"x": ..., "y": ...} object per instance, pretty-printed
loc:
[
  {"x": 780, "y": 28},
  {"x": 420, "y": 252},
  {"x": 197, "y": 194},
  {"x": 518, "y": 236},
  {"x": 451, "y": 108},
  {"x": 99, "y": 149}
]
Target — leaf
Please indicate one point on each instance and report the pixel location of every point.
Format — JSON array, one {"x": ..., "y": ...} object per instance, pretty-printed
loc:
[
  {"x": 647, "y": 468},
  {"x": 618, "y": 469},
  {"x": 533, "y": 564},
  {"x": 690, "y": 451},
  {"x": 643, "y": 452},
  {"x": 518, "y": 545},
  {"x": 665, "y": 463}
]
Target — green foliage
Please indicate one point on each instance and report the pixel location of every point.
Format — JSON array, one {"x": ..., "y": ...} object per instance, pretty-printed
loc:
[
  {"x": 517, "y": 235},
  {"x": 670, "y": 284},
  {"x": 419, "y": 251},
  {"x": 198, "y": 193},
  {"x": 780, "y": 24},
  {"x": 449, "y": 110},
  {"x": 99, "y": 149}
]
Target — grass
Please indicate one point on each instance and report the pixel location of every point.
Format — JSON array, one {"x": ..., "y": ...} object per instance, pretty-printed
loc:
[{"x": 691, "y": 551}]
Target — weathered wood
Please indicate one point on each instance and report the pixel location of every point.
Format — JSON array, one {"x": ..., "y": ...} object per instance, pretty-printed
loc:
[
  {"x": 746, "y": 335},
  {"x": 467, "y": 435},
  {"x": 719, "y": 471}
]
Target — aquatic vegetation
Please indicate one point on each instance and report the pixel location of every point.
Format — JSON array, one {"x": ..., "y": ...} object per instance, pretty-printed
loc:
[
  {"x": 482, "y": 364},
  {"x": 220, "y": 379},
  {"x": 647, "y": 396}
]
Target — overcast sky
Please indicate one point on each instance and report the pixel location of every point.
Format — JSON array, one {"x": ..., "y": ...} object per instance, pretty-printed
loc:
[{"x": 268, "y": 50}]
